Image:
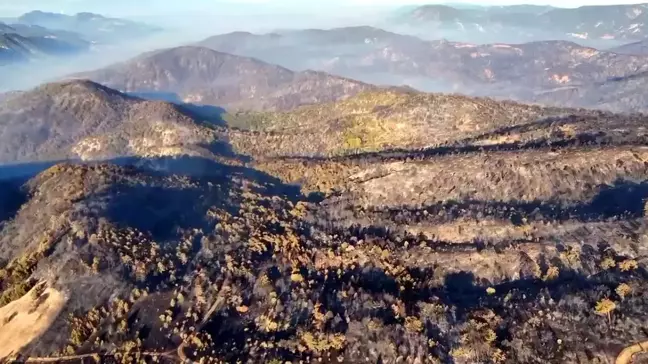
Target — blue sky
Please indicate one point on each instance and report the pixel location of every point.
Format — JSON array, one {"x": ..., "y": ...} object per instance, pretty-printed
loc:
[{"x": 154, "y": 7}]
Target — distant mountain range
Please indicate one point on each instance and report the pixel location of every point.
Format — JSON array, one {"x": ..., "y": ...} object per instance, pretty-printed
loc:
[
  {"x": 20, "y": 42},
  {"x": 93, "y": 27},
  {"x": 37, "y": 34},
  {"x": 518, "y": 71},
  {"x": 610, "y": 22},
  {"x": 203, "y": 76}
]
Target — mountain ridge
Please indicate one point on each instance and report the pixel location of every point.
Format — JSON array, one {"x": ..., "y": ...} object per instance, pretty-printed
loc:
[
  {"x": 518, "y": 71},
  {"x": 201, "y": 75},
  {"x": 603, "y": 22},
  {"x": 82, "y": 119},
  {"x": 93, "y": 27}
]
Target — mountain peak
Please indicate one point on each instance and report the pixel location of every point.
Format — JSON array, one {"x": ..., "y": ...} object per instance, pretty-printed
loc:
[
  {"x": 435, "y": 12},
  {"x": 83, "y": 119},
  {"x": 81, "y": 87},
  {"x": 194, "y": 74},
  {"x": 192, "y": 50},
  {"x": 38, "y": 15},
  {"x": 89, "y": 16}
]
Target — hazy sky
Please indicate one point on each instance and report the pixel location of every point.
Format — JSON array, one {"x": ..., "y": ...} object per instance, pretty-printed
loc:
[{"x": 158, "y": 7}]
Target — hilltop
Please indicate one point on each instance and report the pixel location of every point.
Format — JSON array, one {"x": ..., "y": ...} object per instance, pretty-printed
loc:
[
  {"x": 374, "y": 121},
  {"x": 203, "y": 76},
  {"x": 82, "y": 119}
]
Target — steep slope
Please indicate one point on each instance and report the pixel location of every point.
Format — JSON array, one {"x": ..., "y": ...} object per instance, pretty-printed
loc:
[
  {"x": 520, "y": 237},
  {"x": 200, "y": 75},
  {"x": 518, "y": 71},
  {"x": 82, "y": 119},
  {"x": 617, "y": 94}
]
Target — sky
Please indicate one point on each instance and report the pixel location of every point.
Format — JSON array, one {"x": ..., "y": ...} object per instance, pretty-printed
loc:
[{"x": 140, "y": 8}]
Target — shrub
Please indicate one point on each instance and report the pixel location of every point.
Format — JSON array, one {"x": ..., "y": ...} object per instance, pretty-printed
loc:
[
  {"x": 605, "y": 307},
  {"x": 552, "y": 273},
  {"x": 623, "y": 290},
  {"x": 319, "y": 342},
  {"x": 628, "y": 265},
  {"x": 413, "y": 324},
  {"x": 608, "y": 263}
]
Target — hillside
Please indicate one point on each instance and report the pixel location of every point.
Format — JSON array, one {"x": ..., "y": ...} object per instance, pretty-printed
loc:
[
  {"x": 82, "y": 119},
  {"x": 375, "y": 121},
  {"x": 617, "y": 94},
  {"x": 449, "y": 229},
  {"x": 203, "y": 76},
  {"x": 117, "y": 233},
  {"x": 518, "y": 71}
]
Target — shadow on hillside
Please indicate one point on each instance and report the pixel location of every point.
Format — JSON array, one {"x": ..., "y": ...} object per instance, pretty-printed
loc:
[
  {"x": 21, "y": 172},
  {"x": 581, "y": 140},
  {"x": 224, "y": 149},
  {"x": 630, "y": 77},
  {"x": 466, "y": 292},
  {"x": 597, "y": 123},
  {"x": 11, "y": 198},
  {"x": 12, "y": 177},
  {"x": 163, "y": 210},
  {"x": 209, "y": 170},
  {"x": 463, "y": 290},
  {"x": 157, "y": 205},
  {"x": 623, "y": 199},
  {"x": 208, "y": 113},
  {"x": 553, "y": 138}
]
